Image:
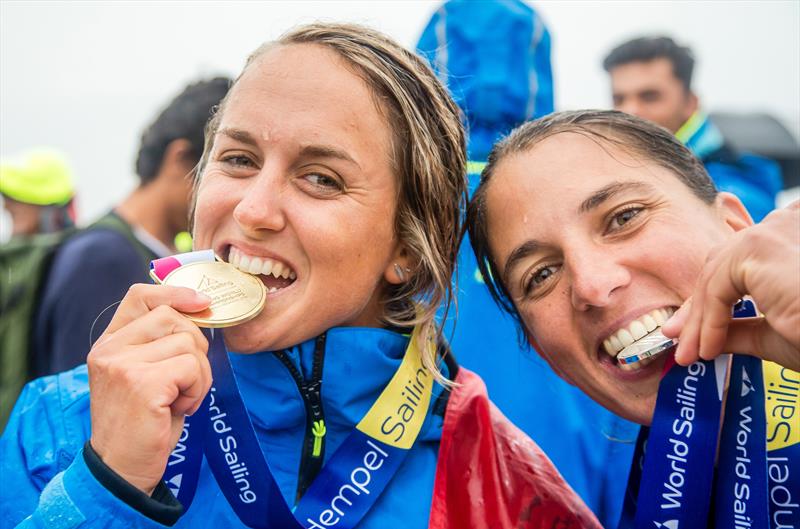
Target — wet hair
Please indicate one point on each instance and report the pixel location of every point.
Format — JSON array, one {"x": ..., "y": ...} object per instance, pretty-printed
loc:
[
  {"x": 611, "y": 128},
  {"x": 646, "y": 49},
  {"x": 428, "y": 159},
  {"x": 184, "y": 118}
]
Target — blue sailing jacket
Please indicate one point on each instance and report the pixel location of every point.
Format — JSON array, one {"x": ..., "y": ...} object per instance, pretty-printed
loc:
[{"x": 46, "y": 482}]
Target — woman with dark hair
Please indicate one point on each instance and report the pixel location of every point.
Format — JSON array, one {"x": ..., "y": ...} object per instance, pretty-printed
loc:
[{"x": 593, "y": 228}]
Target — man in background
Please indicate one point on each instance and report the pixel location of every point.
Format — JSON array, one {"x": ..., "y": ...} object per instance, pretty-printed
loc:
[
  {"x": 38, "y": 192},
  {"x": 651, "y": 77},
  {"x": 495, "y": 59},
  {"x": 93, "y": 269}
]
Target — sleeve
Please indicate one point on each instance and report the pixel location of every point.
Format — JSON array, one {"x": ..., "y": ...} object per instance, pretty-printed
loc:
[
  {"x": 36, "y": 493},
  {"x": 89, "y": 275}
]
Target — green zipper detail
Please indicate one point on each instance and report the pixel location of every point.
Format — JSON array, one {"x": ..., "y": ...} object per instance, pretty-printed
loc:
[{"x": 319, "y": 432}]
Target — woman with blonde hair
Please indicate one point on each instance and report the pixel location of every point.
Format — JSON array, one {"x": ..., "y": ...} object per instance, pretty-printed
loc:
[{"x": 334, "y": 174}]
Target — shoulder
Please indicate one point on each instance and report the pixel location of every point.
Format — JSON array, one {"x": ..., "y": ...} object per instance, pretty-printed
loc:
[
  {"x": 94, "y": 253},
  {"x": 51, "y": 420},
  {"x": 97, "y": 245}
]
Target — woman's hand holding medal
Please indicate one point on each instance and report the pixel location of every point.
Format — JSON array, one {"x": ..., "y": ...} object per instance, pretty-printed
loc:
[
  {"x": 146, "y": 371},
  {"x": 762, "y": 261}
]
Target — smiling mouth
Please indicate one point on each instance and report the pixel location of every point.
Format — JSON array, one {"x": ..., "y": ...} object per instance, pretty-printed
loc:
[
  {"x": 275, "y": 275},
  {"x": 631, "y": 333}
]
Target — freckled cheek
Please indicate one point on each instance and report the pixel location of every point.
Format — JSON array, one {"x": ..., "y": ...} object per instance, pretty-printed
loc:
[{"x": 678, "y": 269}]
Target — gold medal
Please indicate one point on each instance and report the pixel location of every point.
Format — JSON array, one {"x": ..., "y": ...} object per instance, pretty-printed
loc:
[{"x": 236, "y": 297}]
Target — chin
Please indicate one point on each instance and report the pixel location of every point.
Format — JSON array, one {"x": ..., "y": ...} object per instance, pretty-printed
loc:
[
  {"x": 639, "y": 409},
  {"x": 246, "y": 338}
]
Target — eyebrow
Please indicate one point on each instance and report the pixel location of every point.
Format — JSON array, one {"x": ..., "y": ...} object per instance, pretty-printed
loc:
[
  {"x": 607, "y": 192},
  {"x": 327, "y": 151},
  {"x": 319, "y": 151},
  {"x": 518, "y": 254},
  {"x": 239, "y": 135}
]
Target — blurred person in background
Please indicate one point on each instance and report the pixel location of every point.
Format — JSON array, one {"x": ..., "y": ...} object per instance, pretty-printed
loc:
[
  {"x": 93, "y": 269},
  {"x": 495, "y": 59},
  {"x": 651, "y": 77},
  {"x": 38, "y": 192}
]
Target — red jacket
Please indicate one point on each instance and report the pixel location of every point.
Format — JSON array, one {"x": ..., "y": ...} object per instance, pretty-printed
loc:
[{"x": 490, "y": 475}]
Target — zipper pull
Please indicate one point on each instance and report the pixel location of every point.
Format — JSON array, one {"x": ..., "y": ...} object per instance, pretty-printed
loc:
[
  {"x": 313, "y": 398},
  {"x": 318, "y": 430}
]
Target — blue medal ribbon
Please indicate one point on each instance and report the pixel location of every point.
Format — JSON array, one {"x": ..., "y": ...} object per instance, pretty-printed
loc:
[
  {"x": 679, "y": 459},
  {"x": 232, "y": 450},
  {"x": 670, "y": 483},
  {"x": 740, "y": 500},
  {"x": 782, "y": 387},
  {"x": 346, "y": 487},
  {"x": 182, "y": 472}
]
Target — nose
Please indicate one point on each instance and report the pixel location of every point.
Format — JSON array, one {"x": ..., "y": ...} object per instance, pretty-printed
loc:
[
  {"x": 596, "y": 277},
  {"x": 630, "y": 106},
  {"x": 261, "y": 207}
]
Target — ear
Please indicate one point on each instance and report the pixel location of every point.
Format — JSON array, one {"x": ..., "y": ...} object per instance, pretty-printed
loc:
[
  {"x": 562, "y": 374},
  {"x": 400, "y": 267},
  {"x": 178, "y": 160},
  {"x": 732, "y": 212}
]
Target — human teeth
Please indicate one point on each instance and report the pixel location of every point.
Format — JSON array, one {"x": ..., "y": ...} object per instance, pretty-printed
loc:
[
  {"x": 637, "y": 329},
  {"x": 260, "y": 265},
  {"x": 272, "y": 289},
  {"x": 625, "y": 337}
]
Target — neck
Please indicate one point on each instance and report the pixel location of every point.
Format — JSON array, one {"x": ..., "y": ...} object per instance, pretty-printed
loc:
[{"x": 145, "y": 208}]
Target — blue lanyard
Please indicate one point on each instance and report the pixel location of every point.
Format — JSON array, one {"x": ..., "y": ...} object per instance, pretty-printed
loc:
[
  {"x": 740, "y": 498},
  {"x": 673, "y": 471},
  {"x": 344, "y": 491}
]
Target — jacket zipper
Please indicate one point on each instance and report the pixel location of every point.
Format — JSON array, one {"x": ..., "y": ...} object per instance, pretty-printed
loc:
[{"x": 311, "y": 391}]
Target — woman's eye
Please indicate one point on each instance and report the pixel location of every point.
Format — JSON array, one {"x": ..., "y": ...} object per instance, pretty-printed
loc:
[
  {"x": 539, "y": 277},
  {"x": 238, "y": 160},
  {"x": 323, "y": 181},
  {"x": 623, "y": 217}
]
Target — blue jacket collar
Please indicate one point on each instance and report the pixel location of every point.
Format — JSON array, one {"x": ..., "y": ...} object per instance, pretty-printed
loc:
[{"x": 358, "y": 364}]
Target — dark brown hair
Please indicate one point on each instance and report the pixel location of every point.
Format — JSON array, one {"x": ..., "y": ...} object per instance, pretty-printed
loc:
[{"x": 607, "y": 127}]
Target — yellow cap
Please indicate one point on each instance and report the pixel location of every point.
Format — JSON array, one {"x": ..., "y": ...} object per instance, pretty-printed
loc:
[{"x": 40, "y": 177}]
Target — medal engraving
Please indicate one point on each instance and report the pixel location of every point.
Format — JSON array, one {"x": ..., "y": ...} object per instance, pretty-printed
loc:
[{"x": 236, "y": 296}]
